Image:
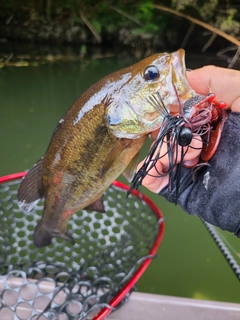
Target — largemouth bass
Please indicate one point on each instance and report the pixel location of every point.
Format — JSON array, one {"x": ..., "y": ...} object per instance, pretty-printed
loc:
[{"x": 98, "y": 139}]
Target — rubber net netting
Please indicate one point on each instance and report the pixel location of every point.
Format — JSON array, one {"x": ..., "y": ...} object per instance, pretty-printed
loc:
[{"x": 63, "y": 281}]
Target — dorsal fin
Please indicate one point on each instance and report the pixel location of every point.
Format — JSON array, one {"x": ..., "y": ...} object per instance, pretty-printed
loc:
[{"x": 31, "y": 189}]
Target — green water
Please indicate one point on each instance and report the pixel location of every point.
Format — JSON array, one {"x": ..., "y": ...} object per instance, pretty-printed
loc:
[{"x": 33, "y": 99}]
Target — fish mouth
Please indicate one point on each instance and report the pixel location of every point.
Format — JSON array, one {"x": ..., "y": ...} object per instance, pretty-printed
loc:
[
  {"x": 181, "y": 88},
  {"x": 178, "y": 61}
]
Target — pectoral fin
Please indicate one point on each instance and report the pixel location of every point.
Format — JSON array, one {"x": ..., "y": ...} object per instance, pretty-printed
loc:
[
  {"x": 130, "y": 171},
  {"x": 96, "y": 206},
  {"x": 114, "y": 153},
  {"x": 31, "y": 188}
]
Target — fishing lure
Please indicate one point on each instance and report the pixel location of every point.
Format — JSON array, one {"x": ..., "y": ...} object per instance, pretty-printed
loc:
[{"x": 198, "y": 116}]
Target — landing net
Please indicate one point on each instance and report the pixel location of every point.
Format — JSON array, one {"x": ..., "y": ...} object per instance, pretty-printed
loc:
[{"x": 85, "y": 281}]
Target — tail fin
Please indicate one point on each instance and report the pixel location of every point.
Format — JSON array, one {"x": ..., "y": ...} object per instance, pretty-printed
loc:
[{"x": 43, "y": 236}]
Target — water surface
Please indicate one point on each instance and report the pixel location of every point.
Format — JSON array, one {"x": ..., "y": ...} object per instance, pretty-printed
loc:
[{"x": 33, "y": 99}]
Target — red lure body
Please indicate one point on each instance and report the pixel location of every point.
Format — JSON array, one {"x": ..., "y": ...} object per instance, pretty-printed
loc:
[{"x": 211, "y": 137}]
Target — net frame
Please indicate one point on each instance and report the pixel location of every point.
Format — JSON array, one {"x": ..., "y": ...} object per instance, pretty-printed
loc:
[{"x": 126, "y": 289}]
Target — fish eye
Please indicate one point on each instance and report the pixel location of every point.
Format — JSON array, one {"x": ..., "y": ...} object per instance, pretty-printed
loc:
[
  {"x": 185, "y": 137},
  {"x": 151, "y": 73}
]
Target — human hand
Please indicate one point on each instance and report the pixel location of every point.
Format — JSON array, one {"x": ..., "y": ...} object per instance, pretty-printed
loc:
[
  {"x": 225, "y": 84},
  {"x": 214, "y": 193},
  {"x": 153, "y": 181}
]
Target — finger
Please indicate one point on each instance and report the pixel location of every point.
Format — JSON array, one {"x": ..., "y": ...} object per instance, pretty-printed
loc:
[
  {"x": 153, "y": 181},
  {"x": 157, "y": 178},
  {"x": 190, "y": 152},
  {"x": 195, "y": 148},
  {"x": 220, "y": 81},
  {"x": 154, "y": 134}
]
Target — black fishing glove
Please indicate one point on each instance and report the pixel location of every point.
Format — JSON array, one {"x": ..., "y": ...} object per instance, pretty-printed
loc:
[{"x": 214, "y": 193}]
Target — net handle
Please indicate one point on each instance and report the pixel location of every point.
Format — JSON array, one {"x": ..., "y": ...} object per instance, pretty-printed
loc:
[{"x": 124, "y": 291}]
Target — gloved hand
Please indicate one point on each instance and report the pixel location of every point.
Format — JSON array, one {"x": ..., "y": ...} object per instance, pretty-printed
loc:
[{"x": 214, "y": 194}]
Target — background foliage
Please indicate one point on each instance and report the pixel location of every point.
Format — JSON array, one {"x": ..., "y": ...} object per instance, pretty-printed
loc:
[{"x": 110, "y": 22}]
